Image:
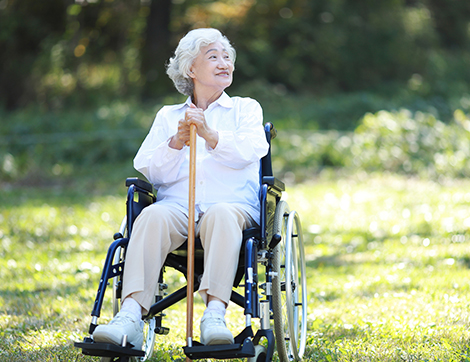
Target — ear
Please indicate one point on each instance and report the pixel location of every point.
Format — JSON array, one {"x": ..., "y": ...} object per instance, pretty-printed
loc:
[{"x": 191, "y": 73}]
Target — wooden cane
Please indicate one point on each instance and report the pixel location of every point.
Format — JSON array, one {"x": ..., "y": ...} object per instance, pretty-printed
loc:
[{"x": 191, "y": 236}]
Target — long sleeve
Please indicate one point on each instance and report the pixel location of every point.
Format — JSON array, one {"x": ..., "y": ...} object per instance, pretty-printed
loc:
[
  {"x": 227, "y": 173},
  {"x": 237, "y": 148},
  {"x": 156, "y": 160}
]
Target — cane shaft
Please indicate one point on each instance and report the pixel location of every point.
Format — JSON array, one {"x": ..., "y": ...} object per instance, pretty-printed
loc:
[{"x": 191, "y": 235}]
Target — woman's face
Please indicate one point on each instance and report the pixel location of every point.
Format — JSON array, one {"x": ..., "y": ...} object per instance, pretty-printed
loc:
[{"x": 212, "y": 69}]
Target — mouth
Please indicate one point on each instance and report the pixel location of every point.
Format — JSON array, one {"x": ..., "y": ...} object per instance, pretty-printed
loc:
[{"x": 225, "y": 74}]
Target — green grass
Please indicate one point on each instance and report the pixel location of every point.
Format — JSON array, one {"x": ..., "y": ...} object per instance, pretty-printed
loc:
[{"x": 387, "y": 266}]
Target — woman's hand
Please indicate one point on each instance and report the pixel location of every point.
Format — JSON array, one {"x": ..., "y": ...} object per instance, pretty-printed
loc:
[
  {"x": 181, "y": 137},
  {"x": 194, "y": 116}
]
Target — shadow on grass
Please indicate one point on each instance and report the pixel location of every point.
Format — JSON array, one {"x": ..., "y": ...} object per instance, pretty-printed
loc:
[
  {"x": 24, "y": 302},
  {"x": 73, "y": 189},
  {"x": 65, "y": 352}
]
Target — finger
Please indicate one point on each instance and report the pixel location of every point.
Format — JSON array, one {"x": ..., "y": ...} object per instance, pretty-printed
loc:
[
  {"x": 196, "y": 114},
  {"x": 183, "y": 125},
  {"x": 193, "y": 112}
]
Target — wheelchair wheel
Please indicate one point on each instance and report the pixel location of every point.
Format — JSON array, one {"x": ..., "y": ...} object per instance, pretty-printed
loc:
[
  {"x": 116, "y": 280},
  {"x": 260, "y": 354},
  {"x": 289, "y": 286},
  {"x": 149, "y": 335},
  {"x": 149, "y": 340},
  {"x": 118, "y": 257}
]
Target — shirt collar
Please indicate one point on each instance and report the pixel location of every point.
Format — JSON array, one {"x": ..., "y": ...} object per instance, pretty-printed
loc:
[
  {"x": 224, "y": 100},
  {"x": 182, "y": 105}
]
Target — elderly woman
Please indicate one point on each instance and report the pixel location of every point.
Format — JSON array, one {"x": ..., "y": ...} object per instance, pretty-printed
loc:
[{"x": 230, "y": 143}]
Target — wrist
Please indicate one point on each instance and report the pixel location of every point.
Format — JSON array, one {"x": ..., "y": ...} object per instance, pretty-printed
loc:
[
  {"x": 213, "y": 139},
  {"x": 175, "y": 143}
]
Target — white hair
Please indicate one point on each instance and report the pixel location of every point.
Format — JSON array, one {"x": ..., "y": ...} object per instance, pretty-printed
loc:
[{"x": 188, "y": 49}]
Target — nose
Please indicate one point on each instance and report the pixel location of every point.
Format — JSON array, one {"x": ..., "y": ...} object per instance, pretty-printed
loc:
[{"x": 223, "y": 63}]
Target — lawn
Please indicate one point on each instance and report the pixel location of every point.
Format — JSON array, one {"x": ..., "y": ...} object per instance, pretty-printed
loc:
[{"x": 387, "y": 265}]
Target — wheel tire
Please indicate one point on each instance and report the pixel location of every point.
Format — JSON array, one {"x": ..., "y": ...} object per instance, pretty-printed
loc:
[
  {"x": 260, "y": 354},
  {"x": 281, "y": 327},
  {"x": 116, "y": 280},
  {"x": 296, "y": 295},
  {"x": 149, "y": 340},
  {"x": 289, "y": 286},
  {"x": 118, "y": 258}
]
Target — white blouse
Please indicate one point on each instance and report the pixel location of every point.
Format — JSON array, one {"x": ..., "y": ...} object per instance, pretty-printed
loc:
[{"x": 228, "y": 173}]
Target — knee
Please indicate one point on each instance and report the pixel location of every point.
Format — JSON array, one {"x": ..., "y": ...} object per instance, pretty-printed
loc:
[
  {"x": 153, "y": 211},
  {"x": 152, "y": 227},
  {"x": 221, "y": 211},
  {"x": 222, "y": 219},
  {"x": 153, "y": 214}
]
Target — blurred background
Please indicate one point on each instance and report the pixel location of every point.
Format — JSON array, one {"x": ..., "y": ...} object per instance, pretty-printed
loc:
[
  {"x": 372, "y": 102},
  {"x": 370, "y": 85}
]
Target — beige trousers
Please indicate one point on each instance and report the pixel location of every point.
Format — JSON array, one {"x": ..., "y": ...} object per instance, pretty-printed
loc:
[{"x": 161, "y": 229}]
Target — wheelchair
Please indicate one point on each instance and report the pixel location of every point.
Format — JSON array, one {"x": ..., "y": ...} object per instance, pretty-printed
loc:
[{"x": 278, "y": 294}]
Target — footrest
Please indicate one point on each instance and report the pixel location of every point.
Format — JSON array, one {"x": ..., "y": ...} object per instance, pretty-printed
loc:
[
  {"x": 108, "y": 350},
  {"x": 221, "y": 351}
]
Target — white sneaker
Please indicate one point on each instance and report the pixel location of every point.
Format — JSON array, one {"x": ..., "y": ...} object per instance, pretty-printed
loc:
[
  {"x": 214, "y": 330},
  {"x": 123, "y": 323}
]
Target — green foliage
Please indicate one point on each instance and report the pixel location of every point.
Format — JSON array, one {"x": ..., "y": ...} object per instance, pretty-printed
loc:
[
  {"x": 60, "y": 144},
  {"x": 416, "y": 144},
  {"x": 40, "y": 146},
  {"x": 88, "y": 53},
  {"x": 310, "y": 111},
  {"x": 332, "y": 45},
  {"x": 399, "y": 142},
  {"x": 24, "y": 28}
]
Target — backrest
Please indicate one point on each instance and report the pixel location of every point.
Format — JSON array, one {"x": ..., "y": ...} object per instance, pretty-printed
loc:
[
  {"x": 266, "y": 164},
  {"x": 139, "y": 196},
  {"x": 270, "y": 188}
]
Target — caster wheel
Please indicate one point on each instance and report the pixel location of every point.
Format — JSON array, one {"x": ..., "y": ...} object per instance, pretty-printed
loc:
[{"x": 260, "y": 354}]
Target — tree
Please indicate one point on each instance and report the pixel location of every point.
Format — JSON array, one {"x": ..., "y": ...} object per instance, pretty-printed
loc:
[
  {"x": 451, "y": 18},
  {"x": 156, "y": 50},
  {"x": 28, "y": 28}
]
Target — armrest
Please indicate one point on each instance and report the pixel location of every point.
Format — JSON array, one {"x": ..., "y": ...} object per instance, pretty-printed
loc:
[
  {"x": 144, "y": 185},
  {"x": 275, "y": 183},
  {"x": 139, "y": 195}
]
